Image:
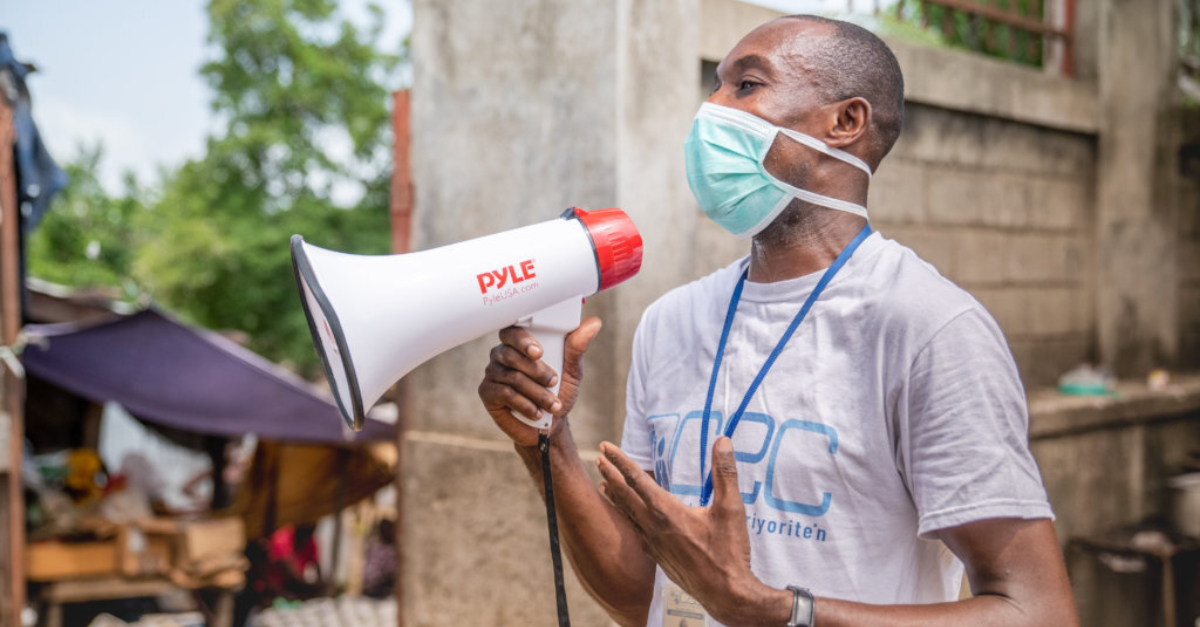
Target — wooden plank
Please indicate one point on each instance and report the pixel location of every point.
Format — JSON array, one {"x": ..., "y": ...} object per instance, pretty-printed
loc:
[
  {"x": 12, "y": 503},
  {"x": 205, "y": 540},
  {"x": 104, "y": 588},
  {"x": 53, "y": 560}
]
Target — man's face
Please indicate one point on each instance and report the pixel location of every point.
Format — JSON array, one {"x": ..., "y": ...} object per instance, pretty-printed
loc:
[{"x": 767, "y": 74}]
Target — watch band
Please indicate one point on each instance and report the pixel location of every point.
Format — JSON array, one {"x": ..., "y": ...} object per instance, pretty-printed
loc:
[{"x": 802, "y": 607}]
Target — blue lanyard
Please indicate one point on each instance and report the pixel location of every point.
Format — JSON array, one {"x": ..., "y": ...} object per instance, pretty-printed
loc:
[{"x": 841, "y": 260}]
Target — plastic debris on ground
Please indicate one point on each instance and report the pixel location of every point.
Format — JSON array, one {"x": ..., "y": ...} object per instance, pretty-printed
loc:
[
  {"x": 348, "y": 611},
  {"x": 1087, "y": 380},
  {"x": 1158, "y": 380},
  {"x": 185, "y": 619}
]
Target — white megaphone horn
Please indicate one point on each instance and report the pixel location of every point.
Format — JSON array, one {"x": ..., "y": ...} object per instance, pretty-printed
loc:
[{"x": 374, "y": 318}]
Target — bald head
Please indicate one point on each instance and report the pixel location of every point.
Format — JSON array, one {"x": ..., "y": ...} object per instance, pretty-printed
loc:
[{"x": 845, "y": 61}]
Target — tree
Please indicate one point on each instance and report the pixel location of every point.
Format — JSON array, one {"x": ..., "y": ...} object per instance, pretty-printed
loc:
[
  {"x": 90, "y": 236},
  {"x": 303, "y": 148}
]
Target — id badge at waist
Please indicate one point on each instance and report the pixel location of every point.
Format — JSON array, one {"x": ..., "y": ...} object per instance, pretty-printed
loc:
[{"x": 680, "y": 609}]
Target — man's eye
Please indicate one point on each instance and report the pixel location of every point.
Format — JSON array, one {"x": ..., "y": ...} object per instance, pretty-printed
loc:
[{"x": 746, "y": 85}]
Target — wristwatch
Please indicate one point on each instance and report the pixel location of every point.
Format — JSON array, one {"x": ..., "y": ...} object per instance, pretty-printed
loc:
[{"x": 802, "y": 607}]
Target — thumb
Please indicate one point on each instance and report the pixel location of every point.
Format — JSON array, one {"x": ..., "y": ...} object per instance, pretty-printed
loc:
[
  {"x": 576, "y": 344},
  {"x": 727, "y": 499}
]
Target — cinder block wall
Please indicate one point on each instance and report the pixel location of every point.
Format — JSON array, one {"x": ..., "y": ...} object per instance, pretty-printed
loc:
[{"x": 1002, "y": 208}]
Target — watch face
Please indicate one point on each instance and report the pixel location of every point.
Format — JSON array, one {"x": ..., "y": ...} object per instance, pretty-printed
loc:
[{"x": 802, "y": 607}]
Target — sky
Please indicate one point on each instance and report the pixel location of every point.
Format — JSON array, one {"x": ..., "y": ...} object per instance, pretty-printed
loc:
[{"x": 126, "y": 73}]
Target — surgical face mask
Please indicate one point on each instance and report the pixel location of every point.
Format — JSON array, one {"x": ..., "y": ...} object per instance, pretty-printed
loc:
[{"x": 725, "y": 152}]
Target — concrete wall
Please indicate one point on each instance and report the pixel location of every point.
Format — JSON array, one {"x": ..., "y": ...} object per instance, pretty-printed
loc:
[
  {"x": 1105, "y": 463},
  {"x": 1009, "y": 180},
  {"x": 1188, "y": 202},
  {"x": 519, "y": 110},
  {"x": 1137, "y": 287}
]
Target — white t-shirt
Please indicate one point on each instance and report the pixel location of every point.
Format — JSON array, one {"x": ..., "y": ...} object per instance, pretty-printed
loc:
[{"x": 895, "y": 410}]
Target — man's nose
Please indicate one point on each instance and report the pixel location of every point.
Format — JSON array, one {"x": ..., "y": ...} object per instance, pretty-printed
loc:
[{"x": 722, "y": 96}]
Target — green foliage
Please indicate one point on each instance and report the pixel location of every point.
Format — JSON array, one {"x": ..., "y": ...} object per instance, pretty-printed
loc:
[
  {"x": 293, "y": 82},
  {"x": 89, "y": 236},
  {"x": 291, "y": 74},
  {"x": 301, "y": 95}
]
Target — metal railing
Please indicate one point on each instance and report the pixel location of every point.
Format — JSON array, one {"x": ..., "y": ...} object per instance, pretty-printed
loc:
[{"x": 1030, "y": 32}]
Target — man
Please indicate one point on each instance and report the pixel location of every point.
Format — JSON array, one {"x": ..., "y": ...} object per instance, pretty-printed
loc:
[{"x": 877, "y": 417}]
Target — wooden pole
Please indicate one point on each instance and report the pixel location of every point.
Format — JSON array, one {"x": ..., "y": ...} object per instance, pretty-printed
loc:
[
  {"x": 402, "y": 186},
  {"x": 339, "y": 511},
  {"x": 12, "y": 503},
  {"x": 401, "y": 211}
]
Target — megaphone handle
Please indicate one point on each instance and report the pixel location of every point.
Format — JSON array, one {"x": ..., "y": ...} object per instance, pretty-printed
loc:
[{"x": 550, "y": 327}]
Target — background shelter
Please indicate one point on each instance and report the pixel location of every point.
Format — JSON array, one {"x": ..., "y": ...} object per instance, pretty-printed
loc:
[
  {"x": 169, "y": 374},
  {"x": 199, "y": 389},
  {"x": 307, "y": 463}
]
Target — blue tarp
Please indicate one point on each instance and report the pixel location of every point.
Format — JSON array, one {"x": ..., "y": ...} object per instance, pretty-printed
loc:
[
  {"x": 166, "y": 373},
  {"x": 38, "y": 177}
]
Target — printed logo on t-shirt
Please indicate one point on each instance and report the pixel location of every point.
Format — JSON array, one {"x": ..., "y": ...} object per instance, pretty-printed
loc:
[{"x": 764, "y": 447}]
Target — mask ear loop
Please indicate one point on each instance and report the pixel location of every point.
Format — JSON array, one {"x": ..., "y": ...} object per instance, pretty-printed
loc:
[
  {"x": 836, "y": 153},
  {"x": 762, "y": 128},
  {"x": 769, "y": 132},
  {"x": 791, "y": 191}
]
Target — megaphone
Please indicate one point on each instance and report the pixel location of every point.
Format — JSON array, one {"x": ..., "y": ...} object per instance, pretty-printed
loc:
[{"x": 374, "y": 318}]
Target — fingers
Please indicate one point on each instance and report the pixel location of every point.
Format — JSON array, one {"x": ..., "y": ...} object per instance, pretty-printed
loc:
[
  {"x": 727, "y": 498},
  {"x": 616, "y": 486},
  {"x": 522, "y": 340},
  {"x": 577, "y": 343},
  {"x": 516, "y": 379},
  {"x": 520, "y": 351},
  {"x": 647, "y": 491},
  {"x": 504, "y": 386},
  {"x": 499, "y": 398}
]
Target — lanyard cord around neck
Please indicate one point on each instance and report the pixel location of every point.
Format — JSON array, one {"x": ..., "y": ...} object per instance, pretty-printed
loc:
[{"x": 842, "y": 258}]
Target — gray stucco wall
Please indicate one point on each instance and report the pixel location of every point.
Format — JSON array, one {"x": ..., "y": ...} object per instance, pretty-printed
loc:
[{"x": 519, "y": 110}]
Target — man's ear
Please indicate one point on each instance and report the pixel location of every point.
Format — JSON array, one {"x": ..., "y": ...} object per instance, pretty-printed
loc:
[{"x": 853, "y": 119}]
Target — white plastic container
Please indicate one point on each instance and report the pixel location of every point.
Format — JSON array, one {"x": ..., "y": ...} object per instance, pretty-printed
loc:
[{"x": 1185, "y": 503}]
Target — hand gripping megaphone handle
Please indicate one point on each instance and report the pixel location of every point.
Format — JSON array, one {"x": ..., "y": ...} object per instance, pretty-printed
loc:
[{"x": 550, "y": 327}]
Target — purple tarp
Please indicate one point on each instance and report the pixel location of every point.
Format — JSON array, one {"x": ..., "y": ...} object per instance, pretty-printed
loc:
[{"x": 167, "y": 373}]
